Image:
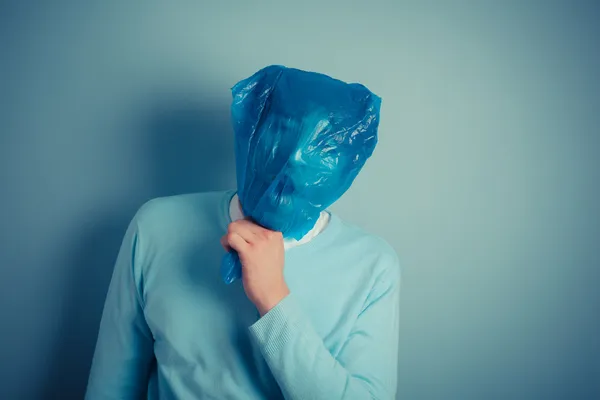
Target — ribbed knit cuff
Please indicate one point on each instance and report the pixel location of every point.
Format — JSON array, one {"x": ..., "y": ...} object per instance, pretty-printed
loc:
[{"x": 277, "y": 327}]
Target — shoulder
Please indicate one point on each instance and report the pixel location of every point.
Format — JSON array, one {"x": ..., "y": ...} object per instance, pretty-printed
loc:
[
  {"x": 172, "y": 224},
  {"x": 382, "y": 259},
  {"x": 163, "y": 215},
  {"x": 167, "y": 221},
  {"x": 163, "y": 209}
]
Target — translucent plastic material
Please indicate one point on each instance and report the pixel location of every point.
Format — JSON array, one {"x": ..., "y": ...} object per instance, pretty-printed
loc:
[{"x": 300, "y": 140}]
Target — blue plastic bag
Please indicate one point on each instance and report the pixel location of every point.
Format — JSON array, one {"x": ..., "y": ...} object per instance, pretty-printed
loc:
[{"x": 300, "y": 140}]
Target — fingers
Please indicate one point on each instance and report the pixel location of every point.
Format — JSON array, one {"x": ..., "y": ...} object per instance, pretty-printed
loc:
[
  {"x": 225, "y": 243},
  {"x": 243, "y": 233},
  {"x": 246, "y": 229},
  {"x": 247, "y": 224},
  {"x": 234, "y": 241}
]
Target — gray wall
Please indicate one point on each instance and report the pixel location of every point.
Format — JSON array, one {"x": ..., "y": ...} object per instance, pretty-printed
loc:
[{"x": 485, "y": 180}]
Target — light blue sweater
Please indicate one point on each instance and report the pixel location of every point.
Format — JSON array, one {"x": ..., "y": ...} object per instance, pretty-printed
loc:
[{"x": 171, "y": 329}]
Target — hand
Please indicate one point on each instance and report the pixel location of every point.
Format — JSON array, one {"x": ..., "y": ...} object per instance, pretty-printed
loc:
[{"x": 262, "y": 255}]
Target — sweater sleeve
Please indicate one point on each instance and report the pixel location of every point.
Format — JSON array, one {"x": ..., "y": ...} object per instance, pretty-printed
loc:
[
  {"x": 366, "y": 366},
  {"x": 124, "y": 350}
]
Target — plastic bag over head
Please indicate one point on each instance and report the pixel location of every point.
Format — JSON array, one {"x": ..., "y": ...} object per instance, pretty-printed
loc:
[{"x": 300, "y": 140}]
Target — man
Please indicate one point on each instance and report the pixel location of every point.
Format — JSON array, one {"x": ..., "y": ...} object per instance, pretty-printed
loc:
[{"x": 323, "y": 327}]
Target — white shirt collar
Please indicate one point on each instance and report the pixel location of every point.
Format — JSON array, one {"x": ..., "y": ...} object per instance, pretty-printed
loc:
[{"x": 236, "y": 213}]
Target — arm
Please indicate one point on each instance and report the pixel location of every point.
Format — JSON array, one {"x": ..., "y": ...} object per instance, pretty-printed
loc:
[
  {"x": 365, "y": 368},
  {"x": 124, "y": 350}
]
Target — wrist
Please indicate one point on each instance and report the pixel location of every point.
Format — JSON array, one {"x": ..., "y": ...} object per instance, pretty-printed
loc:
[{"x": 267, "y": 303}]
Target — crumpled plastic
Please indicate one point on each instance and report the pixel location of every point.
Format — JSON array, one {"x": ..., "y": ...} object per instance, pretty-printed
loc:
[{"x": 301, "y": 139}]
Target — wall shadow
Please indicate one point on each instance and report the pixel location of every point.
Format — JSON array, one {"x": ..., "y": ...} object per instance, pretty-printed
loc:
[
  {"x": 192, "y": 147},
  {"x": 189, "y": 148}
]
